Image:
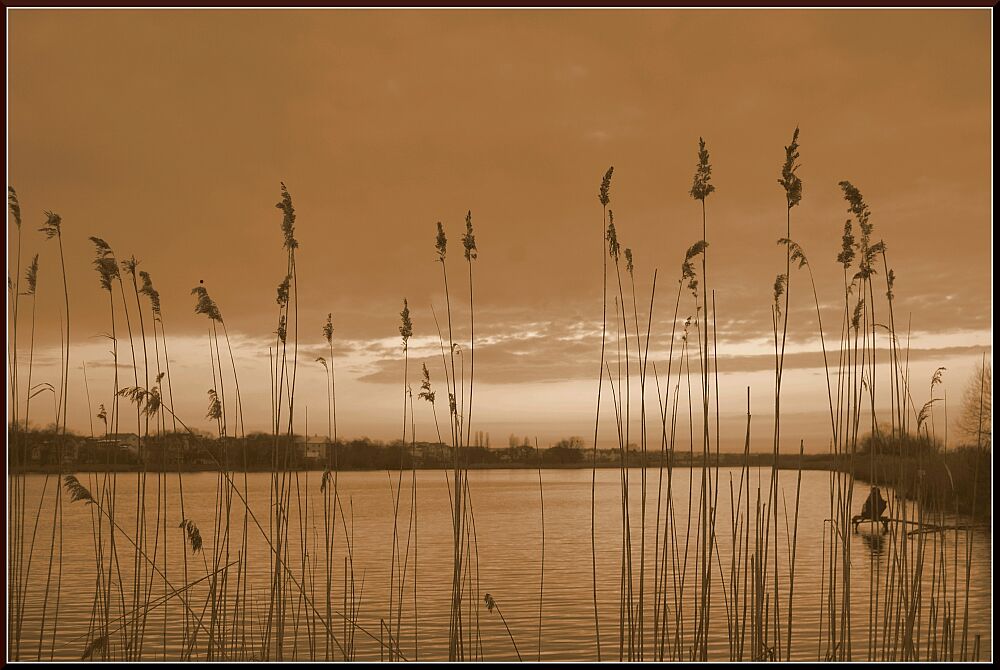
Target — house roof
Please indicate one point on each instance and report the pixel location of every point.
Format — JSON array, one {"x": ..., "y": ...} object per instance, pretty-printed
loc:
[{"x": 312, "y": 439}]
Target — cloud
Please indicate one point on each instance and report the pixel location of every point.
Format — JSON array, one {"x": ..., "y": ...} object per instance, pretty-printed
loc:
[{"x": 565, "y": 350}]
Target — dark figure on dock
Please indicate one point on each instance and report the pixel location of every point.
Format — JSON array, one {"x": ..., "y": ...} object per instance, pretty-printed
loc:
[{"x": 872, "y": 511}]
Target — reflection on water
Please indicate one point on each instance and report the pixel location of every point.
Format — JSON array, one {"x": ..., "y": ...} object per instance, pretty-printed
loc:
[
  {"x": 507, "y": 564},
  {"x": 874, "y": 540}
]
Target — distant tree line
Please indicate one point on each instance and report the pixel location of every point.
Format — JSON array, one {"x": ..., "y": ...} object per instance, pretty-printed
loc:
[{"x": 260, "y": 451}]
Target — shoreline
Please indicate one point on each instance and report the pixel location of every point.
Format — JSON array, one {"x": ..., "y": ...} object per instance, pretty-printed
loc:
[
  {"x": 785, "y": 462},
  {"x": 958, "y": 479}
]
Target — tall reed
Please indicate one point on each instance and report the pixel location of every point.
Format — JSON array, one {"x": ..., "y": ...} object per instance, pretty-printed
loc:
[
  {"x": 604, "y": 197},
  {"x": 701, "y": 188},
  {"x": 52, "y": 228}
]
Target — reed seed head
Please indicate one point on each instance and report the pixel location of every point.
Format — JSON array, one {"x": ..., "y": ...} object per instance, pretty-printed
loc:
[
  {"x": 695, "y": 249},
  {"x": 148, "y": 290},
  {"x": 846, "y": 255},
  {"x": 406, "y": 327},
  {"x": 779, "y": 290},
  {"x": 469, "y": 240},
  {"x": 288, "y": 220},
  {"x": 856, "y": 318},
  {"x": 282, "y": 331},
  {"x": 858, "y": 207},
  {"x": 441, "y": 242},
  {"x": 868, "y": 258},
  {"x": 789, "y": 180},
  {"x": 925, "y": 413},
  {"x": 490, "y": 602},
  {"x": 102, "y": 247},
  {"x": 205, "y": 304},
  {"x": 77, "y": 490},
  {"x": 605, "y": 195},
  {"x": 31, "y": 276},
  {"x": 425, "y": 387},
  {"x": 52, "y": 226},
  {"x": 612, "y": 238},
  {"x": 687, "y": 267},
  {"x": 701, "y": 188},
  {"x": 129, "y": 265},
  {"x": 193, "y": 534},
  {"x": 628, "y": 261},
  {"x": 861, "y": 213},
  {"x": 283, "y": 292},
  {"x": 797, "y": 255},
  {"x": 937, "y": 379},
  {"x": 214, "y": 406},
  {"x": 328, "y": 329},
  {"x": 14, "y": 205},
  {"x": 890, "y": 282},
  {"x": 105, "y": 263},
  {"x": 147, "y": 401},
  {"x": 152, "y": 401}
]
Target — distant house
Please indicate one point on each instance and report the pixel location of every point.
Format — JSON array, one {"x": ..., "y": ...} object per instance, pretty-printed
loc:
[
  {"x": 70, "y": 452},
  {"x": 48, "y": 451},
  {"x": 127, "y": 439},
  {"x": 313, "y": 447},
  {"x": 430, "y": 454},
  {"x": 123, "y": 446}
]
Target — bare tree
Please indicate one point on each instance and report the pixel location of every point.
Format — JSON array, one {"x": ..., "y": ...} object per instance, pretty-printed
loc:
[{"x": 975, "y": 421}]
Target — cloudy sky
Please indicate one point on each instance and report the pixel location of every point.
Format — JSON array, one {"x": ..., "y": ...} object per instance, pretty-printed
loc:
[{"x": 167, "y": 133}]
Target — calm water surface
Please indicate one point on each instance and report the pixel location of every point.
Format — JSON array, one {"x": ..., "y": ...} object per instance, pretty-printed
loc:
[{"x": 506, "y": 505}]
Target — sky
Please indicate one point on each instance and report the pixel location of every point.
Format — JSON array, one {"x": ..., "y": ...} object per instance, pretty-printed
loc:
[{"x": 168, "y": 134}]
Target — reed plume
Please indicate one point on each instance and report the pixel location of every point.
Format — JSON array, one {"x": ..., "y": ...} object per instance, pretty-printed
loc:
[
  {"x": 205, "y": 304},
  {"x": 150, "y": 292},
  {"x": 604, "y": 196},
  {"x": 701, "y": 187},
  {"x": 193, "y": 534},
  {"x": 288, "y": 219},
  {"x": 14, "y": 205},
  {"x": 789, "y": 180},
  {"x": 77, "y": 490}
]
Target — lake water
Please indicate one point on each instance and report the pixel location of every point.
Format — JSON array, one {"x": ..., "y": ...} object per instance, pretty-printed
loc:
[{"x": 508, "y": 531}]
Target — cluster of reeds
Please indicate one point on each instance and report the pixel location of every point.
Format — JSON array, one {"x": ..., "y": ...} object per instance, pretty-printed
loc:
[
  {"x": 665, "y": 635},
  {"x": 464, "y": 635},
  {"x": 667, "y": 610},
  {"x": 20, "y": 564},
  {"x": 758, "y": 588},
  {"x": 126, "y": 600},
  {"x": 20, "y": 576},
  {"x": 897, "y": 569}
]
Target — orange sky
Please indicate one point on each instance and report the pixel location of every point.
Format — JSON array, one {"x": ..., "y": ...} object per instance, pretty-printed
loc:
[{"x": 167, "y": 133}]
